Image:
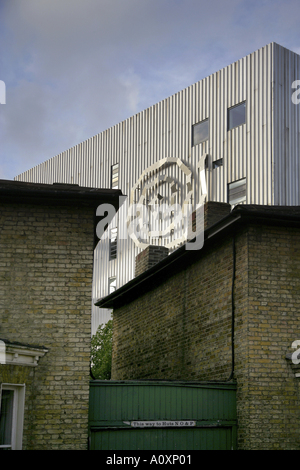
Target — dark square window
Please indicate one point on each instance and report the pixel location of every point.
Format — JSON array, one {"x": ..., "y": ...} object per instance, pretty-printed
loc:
[
  {"x": 217, "y": 163},
  {"x": 237, "y": 115},
  {"x": 200, "y": 132}
]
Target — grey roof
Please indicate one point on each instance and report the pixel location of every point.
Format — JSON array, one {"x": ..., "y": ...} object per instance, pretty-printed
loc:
[{"x": 57, "y": 194}]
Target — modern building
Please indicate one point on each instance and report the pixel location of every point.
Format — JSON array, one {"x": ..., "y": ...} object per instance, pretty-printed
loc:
[{"x": 232, "y": 137}]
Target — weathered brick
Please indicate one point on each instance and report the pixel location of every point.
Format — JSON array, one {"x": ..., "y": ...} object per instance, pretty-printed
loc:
[
  {"x": 181, "y": 329},
  {"x": 46, "y": 300}
]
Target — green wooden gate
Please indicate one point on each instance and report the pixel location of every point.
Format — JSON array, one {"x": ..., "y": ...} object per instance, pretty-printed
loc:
[{"x": 162, "y": 415}]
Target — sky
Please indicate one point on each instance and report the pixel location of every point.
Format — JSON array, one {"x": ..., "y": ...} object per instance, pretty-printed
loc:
[{"x": 74, "y": 68}]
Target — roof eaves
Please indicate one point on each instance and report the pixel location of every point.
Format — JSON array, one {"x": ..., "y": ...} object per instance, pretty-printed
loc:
[
  {"x": 143, "y": 280},
  {"x": 57, "y": 193},
  {"x": 240, "y": 214}
]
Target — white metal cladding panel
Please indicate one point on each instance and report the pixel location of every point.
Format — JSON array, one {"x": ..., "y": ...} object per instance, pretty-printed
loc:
[
  {"x": 165, "y": 130},
  {"x": 259, "y": 127},
  {"x": 286, "y": 128}
]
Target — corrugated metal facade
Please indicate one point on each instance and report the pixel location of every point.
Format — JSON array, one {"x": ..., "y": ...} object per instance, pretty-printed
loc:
[{"x": 264, "y": 150}]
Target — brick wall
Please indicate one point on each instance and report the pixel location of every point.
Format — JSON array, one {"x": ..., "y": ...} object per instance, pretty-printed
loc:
[
  {"x": 153, "y": 254},
  {"x": 270, "y": 397},
  {"x": 182, "y": 330},
  {"x": 213, "y": 213},
  {"x": 46, "y": 260},
  {"x": 149, "y": 257},
  {"x": 163, "y": 333}
]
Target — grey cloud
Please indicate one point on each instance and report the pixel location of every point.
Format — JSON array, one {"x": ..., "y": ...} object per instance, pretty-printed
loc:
[{"x": 74, "y": 68}]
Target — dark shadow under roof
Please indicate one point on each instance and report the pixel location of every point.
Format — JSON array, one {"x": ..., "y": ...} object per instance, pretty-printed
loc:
[{"x": 57, "y": 194}]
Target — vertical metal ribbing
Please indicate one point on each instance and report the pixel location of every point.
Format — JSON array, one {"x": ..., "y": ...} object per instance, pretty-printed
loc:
[
  {"x": 285, "y": 127},
  {"x": 265, "y": 149}
]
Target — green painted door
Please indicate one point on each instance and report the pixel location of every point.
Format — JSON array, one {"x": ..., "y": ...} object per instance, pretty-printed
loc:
[{"x": 150, "y": 415}]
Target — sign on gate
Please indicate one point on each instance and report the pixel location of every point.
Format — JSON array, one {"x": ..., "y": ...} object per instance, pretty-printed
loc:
[{"x": 161, "y": 424}]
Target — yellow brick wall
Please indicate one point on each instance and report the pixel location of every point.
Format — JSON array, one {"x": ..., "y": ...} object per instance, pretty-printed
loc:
[
  {"x": 177, "y": 330},
  {"x": 46, "y": 262},
  {"x": 273, "y": 323},
  {"x": 182, "y": 330}
]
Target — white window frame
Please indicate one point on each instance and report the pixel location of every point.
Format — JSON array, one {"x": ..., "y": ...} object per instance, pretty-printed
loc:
[{"x": 18, "y": 414}]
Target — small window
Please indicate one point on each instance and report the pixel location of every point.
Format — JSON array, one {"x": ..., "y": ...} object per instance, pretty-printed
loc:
[
  {"x": 115, "y": 176},
  {"x": 217, "y": 163},
  {"x": 237, "y": 192},
  {"x": 112, "y": 284},
  {"x": 200, "y": 132},
  {"x": 237, "y": 115},
  {"x": 11, "y": 416},
  {"x": 113, "y": 243}
]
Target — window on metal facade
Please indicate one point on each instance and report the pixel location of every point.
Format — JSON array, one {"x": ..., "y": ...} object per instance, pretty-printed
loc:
[
  {"x": 237, "y": 192},
  {"x": 112, "y": 284},
  {"x": 200, "y": 132},
  {"x": 237, "y": 115},
  {"x": 113, "y": 243},
  {"x": 217, "y": 163},
  {"x": 115, "y": 176}
]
